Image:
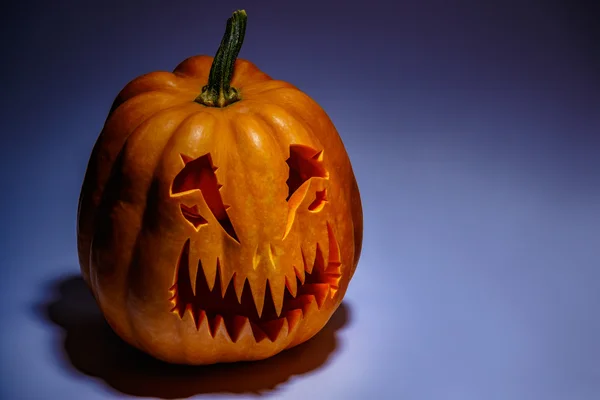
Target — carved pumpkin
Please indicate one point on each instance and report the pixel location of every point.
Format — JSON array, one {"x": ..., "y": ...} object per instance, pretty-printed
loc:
[{"x": 219, "y": 218}]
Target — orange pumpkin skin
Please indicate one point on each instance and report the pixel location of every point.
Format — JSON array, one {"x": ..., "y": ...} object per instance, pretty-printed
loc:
[{"x": 185, "y": 228}]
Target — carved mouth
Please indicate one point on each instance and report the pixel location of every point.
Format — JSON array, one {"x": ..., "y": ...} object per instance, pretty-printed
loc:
[{"x": 315, "y": 284}]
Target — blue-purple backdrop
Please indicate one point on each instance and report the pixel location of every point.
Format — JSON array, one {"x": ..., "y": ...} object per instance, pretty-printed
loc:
[{"x": 474, "y": 131}]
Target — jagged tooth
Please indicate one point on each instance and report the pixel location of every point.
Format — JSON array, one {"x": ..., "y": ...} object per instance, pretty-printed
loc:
[
  {"x": 202, "y": 322},
  {"x": 318, "y": 290},
  {"x": 209, "y": 267},
  {"x": 277, "y": 286},
  {"x": 218, "y": 284},
  {"x": 175, "y": 310},
  {"x": 258, "y": 289},
  {"x": 309, "y": 304},
  {"x": 297, "y": 258},
  {"x": 257, "y": 332},
  {"x": 308, "y": 256},
  {"x": 333, "y": 279},
  {"x": 334, "y": 268},
  {"x": 200, "y": 318},
  {"x": 218, "y": 328},
  {"x": 173, "y": 291},
  {"x": 195, "y": 314},
  {"x": 238, "y": 327},
  {"x": 194, "y": 276},
  {"x": 285, "y": 329},
  {"x": 185, "y": 267},
  {"x": 319, "y": 261},
  {"x": 300, "y": 273},
  {"x": 274, "y": 328},
  {"x": 334, "y": 256},
  {"x": 189, "y": 310},
  {"x": 321, "y": 258},
  {"x": 226, "y": 277},
  {"x": 293, "y": 317},
  {"x": 302, "y": 301},
  {"x": 325, "y": 254},
  {"x": 238, "y": 285},
  {"x": 291, "y": 284}
]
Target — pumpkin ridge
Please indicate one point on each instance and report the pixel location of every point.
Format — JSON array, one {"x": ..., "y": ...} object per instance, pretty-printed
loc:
[
  {"x": 198, "y": 65},
  {"x": 118, "y": 103},
  {"x": 145, "y": 212},
  {"x": 267, "y": 125},
  {"x": 246, "y": 72},
  {"x": 291, "y": 97},
  {"x": 115, "y": 171},
  {"x": 94, "y": 188},
  {"x": 257, "y": 89}
]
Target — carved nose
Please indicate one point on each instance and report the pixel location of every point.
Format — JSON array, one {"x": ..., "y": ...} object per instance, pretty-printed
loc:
[{"x": 266, "y": 254}]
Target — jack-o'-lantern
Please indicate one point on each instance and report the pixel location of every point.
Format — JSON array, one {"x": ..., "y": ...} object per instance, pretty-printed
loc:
[{"x": 219, "y": 218}]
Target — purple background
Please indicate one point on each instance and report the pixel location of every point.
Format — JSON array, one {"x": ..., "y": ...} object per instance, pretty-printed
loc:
[{"x": 474, "y": 131}]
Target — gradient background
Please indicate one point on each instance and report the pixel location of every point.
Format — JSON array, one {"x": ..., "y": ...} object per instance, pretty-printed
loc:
[{"x": 474, "y": 131}]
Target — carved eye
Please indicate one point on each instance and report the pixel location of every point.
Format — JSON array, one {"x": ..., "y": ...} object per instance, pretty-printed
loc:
[
  {"x": 304, "y": 163},
  {"x": 192, "y": 215},
  {"x": 199, "y": 174},
  {"x": 319, "y": 201}
]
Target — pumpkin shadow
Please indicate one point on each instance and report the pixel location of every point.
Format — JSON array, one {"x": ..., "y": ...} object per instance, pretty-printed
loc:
[{"x": 92, "y": 348}]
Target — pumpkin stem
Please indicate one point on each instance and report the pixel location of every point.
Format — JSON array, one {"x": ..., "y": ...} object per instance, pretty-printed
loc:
[{"x": 218, "y": 93}]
